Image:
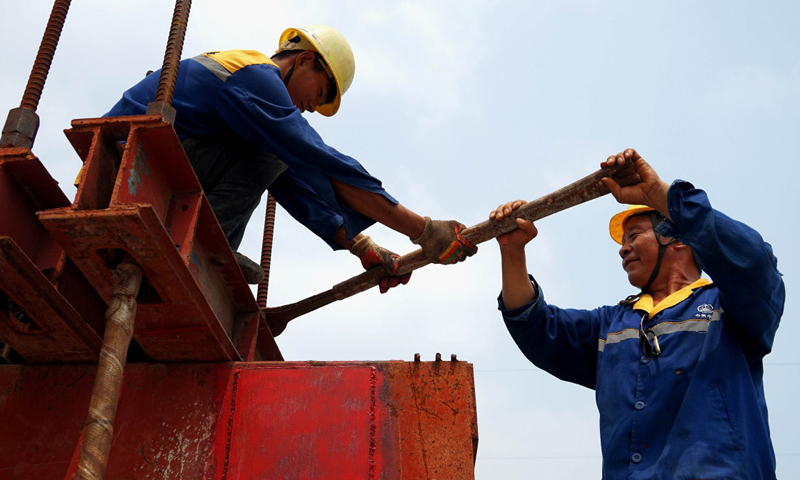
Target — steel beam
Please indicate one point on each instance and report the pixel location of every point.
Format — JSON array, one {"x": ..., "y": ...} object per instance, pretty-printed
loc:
[
  {"x": 48, "y": 311},
  {"x": 139, "y": 196}
]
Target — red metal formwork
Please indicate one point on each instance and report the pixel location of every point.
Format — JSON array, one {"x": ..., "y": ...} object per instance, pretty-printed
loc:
[
  {"x": 48, "y": 311},
  {"x": 256, "y": 420},
  {"x": 434, "y": 404},
  {"x": 139, "y": 196}
]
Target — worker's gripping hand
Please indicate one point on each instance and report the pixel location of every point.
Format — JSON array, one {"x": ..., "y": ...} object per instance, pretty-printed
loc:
[
  {"x": 635, "y": 181},
  {"x": 441, "y": 242},
  {"x": 520, "y": 236},
  {"x": 373, "y": 255}
]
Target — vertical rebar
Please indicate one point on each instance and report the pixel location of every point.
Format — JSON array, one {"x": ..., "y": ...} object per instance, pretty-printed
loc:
[
  {"x": 172, "y": 57},
  {"x": 120, "y": 317},
  {"x": 172, "y": 60},
  {"x": 266, "y": 251},
  {"x": 47, "y": 49},
  {"x": 22, "y": 123}
]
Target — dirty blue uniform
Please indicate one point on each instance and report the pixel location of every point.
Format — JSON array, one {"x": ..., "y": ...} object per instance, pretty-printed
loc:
[
  {"x": 696, "y": 411},
  {"x": 243, "y": 135}
]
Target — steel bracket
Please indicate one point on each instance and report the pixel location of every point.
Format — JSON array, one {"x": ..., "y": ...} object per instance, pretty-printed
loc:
[
  {"x": 138, "y": 195},
  {"x": 48, "y": 311}
]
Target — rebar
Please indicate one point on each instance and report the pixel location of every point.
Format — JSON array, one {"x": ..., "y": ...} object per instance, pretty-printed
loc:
[
  {"x": 266, "y": 251},
  {"x": 22, "y": 123},
  {"x": 172, "y": 56},
  {"x": 47, "y": 49}
]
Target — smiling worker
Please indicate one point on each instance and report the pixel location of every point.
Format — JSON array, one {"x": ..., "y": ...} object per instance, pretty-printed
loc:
[
  {"x": 239, "y": 115},
  {"x": 677, "y": 368}
]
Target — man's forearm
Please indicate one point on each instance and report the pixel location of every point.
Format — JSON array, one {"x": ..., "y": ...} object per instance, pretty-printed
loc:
[
  {"x": 517, "y": 288},
  {"x": 379, "y": 208}
]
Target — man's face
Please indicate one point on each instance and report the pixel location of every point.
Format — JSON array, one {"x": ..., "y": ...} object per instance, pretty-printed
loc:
[
  {"x": 639, "y": 250},
  {"x": 308, "y": 86}
]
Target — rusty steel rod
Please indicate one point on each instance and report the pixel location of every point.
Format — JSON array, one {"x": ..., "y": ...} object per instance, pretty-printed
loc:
[
  {"x": 44, "y": 58},
  {"x": 172, "y": 58},
  {"x": 22, "y": 122},
  {"x": 120, "y": 316},
  {"x": 266, "y": 251},
  {"x": 585, "y": 189}
]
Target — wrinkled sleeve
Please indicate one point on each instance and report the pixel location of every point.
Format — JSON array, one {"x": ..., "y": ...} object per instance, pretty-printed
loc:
[
  {"x": 256, "y": 106},
  {"x": 302, "y": 202},
  {"x": 562, "y": 342},
  {"x": 739, "y": 262}
]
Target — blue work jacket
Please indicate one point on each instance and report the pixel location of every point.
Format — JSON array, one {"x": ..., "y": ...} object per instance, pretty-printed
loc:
[
  {"x": 697, "y": 410},
  {"x": 241, "y": 92}
]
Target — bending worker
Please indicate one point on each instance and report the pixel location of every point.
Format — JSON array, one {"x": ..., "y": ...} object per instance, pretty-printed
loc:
[
  {"x": 677, "y": 368},
  {"x": 239, "y": 115}
]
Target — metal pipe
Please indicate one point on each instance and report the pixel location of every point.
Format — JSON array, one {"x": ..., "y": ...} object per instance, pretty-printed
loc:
[
  {"x": 120, "y": 317},
  {"x": 583, "y": 190}
]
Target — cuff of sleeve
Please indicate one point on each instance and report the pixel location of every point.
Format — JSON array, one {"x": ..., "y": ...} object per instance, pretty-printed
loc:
[
  {"x": 675, "y": 201},
  {"x": 520, "y": 313}
]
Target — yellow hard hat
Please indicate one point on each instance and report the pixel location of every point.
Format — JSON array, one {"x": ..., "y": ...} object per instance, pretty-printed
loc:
[
  {"x": 333, "y": 48},
  {"x": 616, "y": 226}
]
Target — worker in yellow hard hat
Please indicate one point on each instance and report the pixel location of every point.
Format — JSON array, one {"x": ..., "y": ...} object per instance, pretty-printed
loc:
[
  {"x": 617, "y": 230},
  {"x": 677, "y": 368},
  {"x": 239, "y": 115},
  {"x": 336, "y": 59}
]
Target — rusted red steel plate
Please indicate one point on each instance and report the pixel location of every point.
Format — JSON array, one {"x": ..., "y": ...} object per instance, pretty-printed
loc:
[
  {"x": 163, "y": 429},
  {"x": 48, "y": 312},
  {"x": 25, "y": 188},
  {"x": 434, "y": 410},
  {"x": 239, "y": 421},
  {"x": 35, "y": 319},
  {"x": 359, "y": 420}
]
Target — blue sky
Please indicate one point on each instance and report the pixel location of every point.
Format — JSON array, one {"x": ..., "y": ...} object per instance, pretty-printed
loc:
[{"x": 461, "y": 106}]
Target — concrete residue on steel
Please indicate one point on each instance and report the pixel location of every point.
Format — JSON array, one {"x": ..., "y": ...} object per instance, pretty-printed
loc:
[{"x": 138, "y": 168}]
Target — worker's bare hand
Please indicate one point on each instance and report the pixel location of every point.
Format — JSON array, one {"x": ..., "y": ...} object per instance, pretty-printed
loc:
[
  {"x": 525, "y": 232},
  {"x": 505, "y": 210},
  {"x": 636, "y": 182}
]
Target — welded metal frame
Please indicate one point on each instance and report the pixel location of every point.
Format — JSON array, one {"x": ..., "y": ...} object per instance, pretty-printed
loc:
[
  {"x": 48, "y": 311},
  {"x": 138, "y": 196}
]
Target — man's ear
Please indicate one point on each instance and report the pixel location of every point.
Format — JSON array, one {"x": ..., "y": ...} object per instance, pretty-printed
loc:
[
  {"x": 679, "y": 245},
  {"x": 306, "y": 57}
]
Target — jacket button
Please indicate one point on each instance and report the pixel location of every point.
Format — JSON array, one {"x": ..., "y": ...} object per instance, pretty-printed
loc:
[
  {"x": 639, "y": 405},
  {"x": 636, "y": 457},
  {"x": 645, "y": 359}
]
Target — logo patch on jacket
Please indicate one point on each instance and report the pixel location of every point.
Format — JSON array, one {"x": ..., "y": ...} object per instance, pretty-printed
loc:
[{"x": 704, "y": 311}]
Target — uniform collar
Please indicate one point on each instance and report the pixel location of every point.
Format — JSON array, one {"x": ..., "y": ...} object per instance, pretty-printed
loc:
[{"x": 645, "y": 302}]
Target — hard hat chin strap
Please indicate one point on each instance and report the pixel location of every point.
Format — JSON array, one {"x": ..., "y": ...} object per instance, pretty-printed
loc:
[
  {"x": 655, "y": 219},
  {"x": 292, "y": 44},
  {"x": 288, "y": 76}
]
